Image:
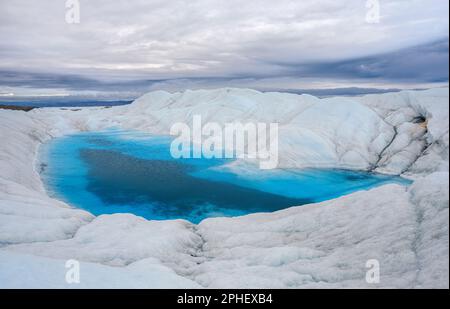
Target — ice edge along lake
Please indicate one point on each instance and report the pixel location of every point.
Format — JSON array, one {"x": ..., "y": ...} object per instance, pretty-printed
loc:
[{"x": 117, "y": 171}]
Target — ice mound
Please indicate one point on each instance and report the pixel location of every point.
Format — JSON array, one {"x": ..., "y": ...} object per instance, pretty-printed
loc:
[{"x": 320, "y": 245}]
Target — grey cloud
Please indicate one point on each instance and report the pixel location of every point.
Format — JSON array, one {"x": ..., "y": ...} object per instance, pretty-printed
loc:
[
  {"x": 423, "y": 63},
  {"x": 145, "y": 43}
]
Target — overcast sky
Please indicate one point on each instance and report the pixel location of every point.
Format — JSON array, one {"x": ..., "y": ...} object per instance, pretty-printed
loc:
[{"x": 132, "y": 46}]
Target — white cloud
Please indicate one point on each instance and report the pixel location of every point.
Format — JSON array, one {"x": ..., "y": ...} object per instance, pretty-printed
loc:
[{"x": 207, "y": 38}]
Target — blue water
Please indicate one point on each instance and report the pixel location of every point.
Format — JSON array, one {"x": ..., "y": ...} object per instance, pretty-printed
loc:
[
  {"x": 37, "y": 102},
  {"x": 130, "y": 172}
]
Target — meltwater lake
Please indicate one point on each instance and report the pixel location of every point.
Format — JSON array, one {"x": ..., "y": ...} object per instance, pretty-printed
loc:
[{"x": 118, "y": 171}]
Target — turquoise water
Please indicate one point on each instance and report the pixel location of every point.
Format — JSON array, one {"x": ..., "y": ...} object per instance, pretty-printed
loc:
[{"x": 130, "y": 172}]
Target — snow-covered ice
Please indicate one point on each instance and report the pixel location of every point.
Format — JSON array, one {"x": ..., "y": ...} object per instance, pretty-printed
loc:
[{"x": 322, "y": 245}]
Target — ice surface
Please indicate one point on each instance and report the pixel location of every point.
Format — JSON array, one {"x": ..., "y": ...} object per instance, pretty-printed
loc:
[
  {"x": 319, "y": 245},
  {"x": 21, "y": 271}
]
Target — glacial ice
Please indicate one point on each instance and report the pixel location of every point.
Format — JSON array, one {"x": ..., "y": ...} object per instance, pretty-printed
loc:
[{"x": 322, "y": 245}]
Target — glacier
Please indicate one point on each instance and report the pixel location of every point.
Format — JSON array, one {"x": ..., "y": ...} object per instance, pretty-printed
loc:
[{"x": 323, "y": 245}]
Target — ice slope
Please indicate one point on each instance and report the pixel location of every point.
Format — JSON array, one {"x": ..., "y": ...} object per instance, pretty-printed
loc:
[
  {"x": 321, "y": 245},
  {"x": 21, "y": 271},
  {"x": 27, "y": 214}
]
